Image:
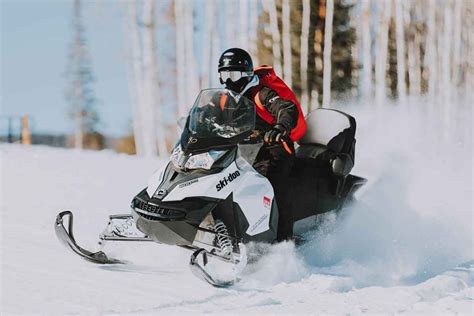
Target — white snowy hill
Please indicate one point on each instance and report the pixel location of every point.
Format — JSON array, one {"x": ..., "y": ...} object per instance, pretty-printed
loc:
[{"x": 405, "y": 249}]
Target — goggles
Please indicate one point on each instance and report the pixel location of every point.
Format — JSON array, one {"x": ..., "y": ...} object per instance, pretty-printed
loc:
[{"x": 233, "y": 75}]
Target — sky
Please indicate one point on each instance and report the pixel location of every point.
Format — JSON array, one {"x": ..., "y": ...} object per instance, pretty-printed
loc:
[{"x": 35, "y": 39}]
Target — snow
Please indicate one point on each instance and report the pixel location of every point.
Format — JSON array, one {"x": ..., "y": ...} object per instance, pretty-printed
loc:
[{"x": 406, "y": 248}]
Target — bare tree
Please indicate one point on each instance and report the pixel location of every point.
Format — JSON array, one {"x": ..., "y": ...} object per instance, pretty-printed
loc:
[
  {"x": 243, "y": 14},
  {"x": 414, "y": 48},
  {"x": 468, "y": 55},
  {"x": 270, "y": 7},
  {"x": 446, "y": 52},
  {"x": 304, "y": 55},
  {"x": 327, "y": 53},
  {"x": 192, "y": 78},
  {"x": 384, "y": 8},
  {"x": 231, "y": 9},
  {"x": 216, "y": 49},
  {"x": 287, "y": 66},
  {"x": 207, "y": 43},
  {"x": 180, "y": 57},
  {"x": 135, "y": 81},
  {"x": 150, "y": 69},
  {"x": 366, "y": 50},
  {"x": 253, "y": 30},
  {"x": 431, "y": 51},
  {"x": 456, "y": 42},
  {"x": 401, "y": 69}
]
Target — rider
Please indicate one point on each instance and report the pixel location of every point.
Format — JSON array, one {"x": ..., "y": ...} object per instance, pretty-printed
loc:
[{"x": 279, "y": 118}]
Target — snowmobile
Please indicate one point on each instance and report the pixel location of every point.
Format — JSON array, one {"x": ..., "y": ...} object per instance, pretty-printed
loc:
[{"x": 210, "y": 199}]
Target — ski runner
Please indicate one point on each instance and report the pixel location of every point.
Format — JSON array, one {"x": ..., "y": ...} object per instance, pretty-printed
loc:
[{"x": 279, "y": 118}]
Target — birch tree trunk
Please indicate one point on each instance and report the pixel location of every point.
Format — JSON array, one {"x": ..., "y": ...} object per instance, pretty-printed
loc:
[
  {"x": 215, "y": 49},
  {"x": 231, "y": 9},
  {"x": 384, "y": 9},
  {"x": 144, "y": 107},
  {"x": 446, "y": 52},
  {"x": 441, "y": 46},
  {"x": 304, "y": 56},
  {"x": 314, "y": 101},
  {"x": 272, "y": 10},
  {"x": 192, "y": 79},
  {"x": 327, "y": 53},
  {"x": 153, "y": 123},
  {"x": 244, "y": 33},
  {"x": 469, "y": 52},
  {"x": 134, "y": 83},
  {"x": 216, "y": 52},
  {"x": 431, "y": 52},
  {"x": 253, "y": 31},
  {"x": 446, "y": 69},
  {"x": 366, "y": 81},
  {"x": 356, "y": 49},
  {"x": 287, "y": 67},
  {"x": 207, "y": 44},
  {"x": 456, "y": 42},
  {"x": 180, "y": 58},
  {"x": 413, "y": 63},
  {"x": 401, "y": 69}
]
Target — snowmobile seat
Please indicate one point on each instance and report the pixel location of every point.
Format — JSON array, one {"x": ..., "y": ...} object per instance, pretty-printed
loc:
[
  {"x": 329, "y": 140},
  {"x": 320, "y": 179}
]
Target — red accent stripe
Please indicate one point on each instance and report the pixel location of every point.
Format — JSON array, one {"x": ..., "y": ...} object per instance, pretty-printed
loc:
[
  {"x": 287, "y": 148},
  {"x": 262, "y": 111},
  {"x": 222, "y": 101}
]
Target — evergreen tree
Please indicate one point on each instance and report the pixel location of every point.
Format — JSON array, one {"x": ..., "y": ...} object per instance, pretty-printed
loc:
[
  {"x": 343, "y": 39},
  {"x": 80, "y": 93}
]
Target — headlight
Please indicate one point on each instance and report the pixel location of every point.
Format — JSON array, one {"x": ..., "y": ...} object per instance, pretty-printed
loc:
[
  {"x": 178, "y": 157},
  {"x": 204, "y": 160}
]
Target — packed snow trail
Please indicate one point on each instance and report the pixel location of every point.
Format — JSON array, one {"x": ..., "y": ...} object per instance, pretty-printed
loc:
[{"x": 406, "y": 248}]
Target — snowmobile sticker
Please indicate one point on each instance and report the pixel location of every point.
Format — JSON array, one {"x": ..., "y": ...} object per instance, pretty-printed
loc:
[
  {"x": 226, "y": 180},
  {"x": 267, "y": 202},
  {"x": 208, "y": 185},
  {"x": 182, "y": 185},
  {"x": 259, "y": 222}
]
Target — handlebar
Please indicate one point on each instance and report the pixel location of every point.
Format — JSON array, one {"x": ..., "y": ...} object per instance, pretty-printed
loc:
[{"x": 258, "y": 137}]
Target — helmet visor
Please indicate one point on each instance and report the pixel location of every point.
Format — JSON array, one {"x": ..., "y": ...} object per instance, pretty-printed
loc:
[{"x": 233, "y": 75}]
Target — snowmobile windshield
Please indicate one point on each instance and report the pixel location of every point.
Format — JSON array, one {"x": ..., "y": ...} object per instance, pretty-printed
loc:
[{"x": 221, "y": 113}]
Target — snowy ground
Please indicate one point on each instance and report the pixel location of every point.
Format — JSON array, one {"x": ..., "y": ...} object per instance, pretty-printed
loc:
[{"x": 406, "y": 248}]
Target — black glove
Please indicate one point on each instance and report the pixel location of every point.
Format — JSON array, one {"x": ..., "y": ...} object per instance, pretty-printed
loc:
[{"x": 275, "y": 135}]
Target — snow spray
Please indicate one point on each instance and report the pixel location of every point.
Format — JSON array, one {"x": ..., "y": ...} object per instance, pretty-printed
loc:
[{"x": 413, "y": 220}]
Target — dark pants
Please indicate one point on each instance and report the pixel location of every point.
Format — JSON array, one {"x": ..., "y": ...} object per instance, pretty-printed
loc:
[{"x": 275, "y": 163}]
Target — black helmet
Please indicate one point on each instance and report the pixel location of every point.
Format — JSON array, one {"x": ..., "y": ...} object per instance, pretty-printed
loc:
[{"x": 238, "y": 62}]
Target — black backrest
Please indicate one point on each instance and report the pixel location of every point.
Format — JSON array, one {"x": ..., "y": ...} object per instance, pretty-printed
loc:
[{"x": 329, "y": 132}]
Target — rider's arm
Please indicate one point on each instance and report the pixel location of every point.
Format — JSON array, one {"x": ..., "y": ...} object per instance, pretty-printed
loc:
[{"x": 285, "y": 111}]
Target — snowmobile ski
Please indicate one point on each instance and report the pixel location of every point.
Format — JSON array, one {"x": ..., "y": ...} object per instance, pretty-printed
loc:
[
  {"x": 66, "y": 236},
  {"x": 204, "y": 274}
]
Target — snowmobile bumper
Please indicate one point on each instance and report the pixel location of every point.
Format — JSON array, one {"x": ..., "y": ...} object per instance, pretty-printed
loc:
[
  {"x": 178, "y": 233},
  {"x": 170, "y": 223}
]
